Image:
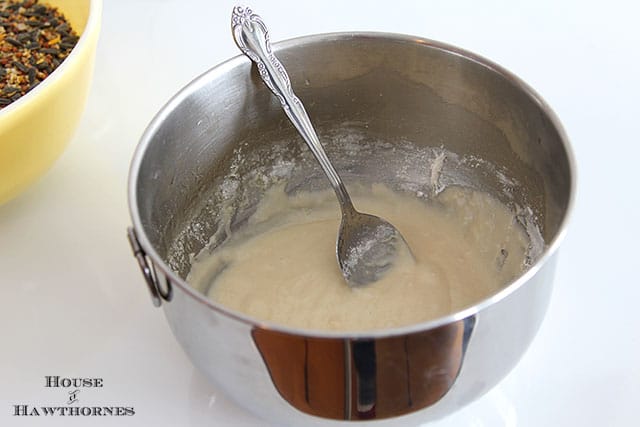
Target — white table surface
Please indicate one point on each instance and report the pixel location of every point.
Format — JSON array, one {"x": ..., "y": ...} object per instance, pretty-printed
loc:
[{"x": 72, "y": 299}]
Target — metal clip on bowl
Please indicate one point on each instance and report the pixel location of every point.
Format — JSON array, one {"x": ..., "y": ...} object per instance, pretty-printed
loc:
[{"x": 149, "y": 272}]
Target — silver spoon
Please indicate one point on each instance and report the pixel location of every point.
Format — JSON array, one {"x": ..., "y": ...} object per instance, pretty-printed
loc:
[{"x": 367, "y": 245}]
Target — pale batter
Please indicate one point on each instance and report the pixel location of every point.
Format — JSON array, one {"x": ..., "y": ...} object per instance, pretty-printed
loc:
[{"x": 282, "y": 267}]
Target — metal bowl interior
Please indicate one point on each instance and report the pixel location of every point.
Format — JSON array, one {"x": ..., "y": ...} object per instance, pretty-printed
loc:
[{"x": 384, "y": 106}]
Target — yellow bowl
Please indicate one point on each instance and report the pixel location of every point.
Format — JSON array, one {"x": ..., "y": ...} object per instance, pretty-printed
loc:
[{"x": 35, "y": 129}]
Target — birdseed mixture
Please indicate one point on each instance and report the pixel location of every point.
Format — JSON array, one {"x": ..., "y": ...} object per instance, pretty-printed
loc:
[{"x": 34, "y": 39}]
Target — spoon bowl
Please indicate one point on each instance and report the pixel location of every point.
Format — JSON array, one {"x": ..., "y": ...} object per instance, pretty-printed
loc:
[{"x": 367, "y": 246}]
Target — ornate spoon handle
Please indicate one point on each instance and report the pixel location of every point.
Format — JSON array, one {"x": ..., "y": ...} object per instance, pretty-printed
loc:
[{"x": 252, "y": 37}]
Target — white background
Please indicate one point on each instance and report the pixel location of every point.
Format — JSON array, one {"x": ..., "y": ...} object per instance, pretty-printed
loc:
[{"x": 72, "y": 299}]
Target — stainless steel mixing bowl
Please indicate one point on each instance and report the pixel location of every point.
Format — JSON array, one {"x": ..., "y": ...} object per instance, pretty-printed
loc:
[{"x": 386, "y": 107}]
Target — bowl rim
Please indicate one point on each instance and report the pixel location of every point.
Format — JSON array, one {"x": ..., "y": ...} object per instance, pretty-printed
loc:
[
  {"x": 223, "y": 67},
  {"x": 93, "y": 24}
]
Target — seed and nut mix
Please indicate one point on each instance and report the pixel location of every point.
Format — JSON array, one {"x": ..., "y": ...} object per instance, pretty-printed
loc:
[{"x": 34, "y": 40}]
